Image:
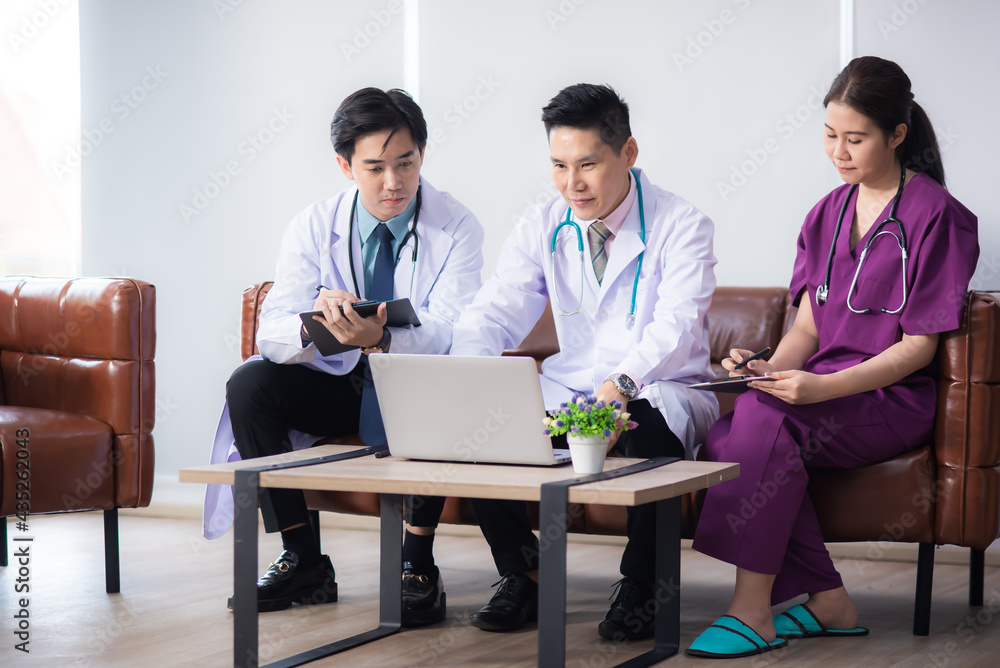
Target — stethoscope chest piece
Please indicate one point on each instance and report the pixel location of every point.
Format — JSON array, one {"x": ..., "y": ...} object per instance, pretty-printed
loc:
[{"x": 823, "y": 290}]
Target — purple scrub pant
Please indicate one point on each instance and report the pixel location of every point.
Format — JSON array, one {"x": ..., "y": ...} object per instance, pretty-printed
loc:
[{"x": 764, "y": 520}]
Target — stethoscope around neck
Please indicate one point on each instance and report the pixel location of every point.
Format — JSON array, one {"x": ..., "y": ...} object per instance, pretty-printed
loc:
[
  {"x": 630, "y": 318},
  {"x": 411, "y": 232},
  {"x": 823, "y": 291}
]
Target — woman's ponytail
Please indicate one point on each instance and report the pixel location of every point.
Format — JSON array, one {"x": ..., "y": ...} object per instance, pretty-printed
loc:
[{"x": 919, "y": 151}]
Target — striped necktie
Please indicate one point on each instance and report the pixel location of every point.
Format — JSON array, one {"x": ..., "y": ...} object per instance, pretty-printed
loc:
[{"x": 598, "y": 233}]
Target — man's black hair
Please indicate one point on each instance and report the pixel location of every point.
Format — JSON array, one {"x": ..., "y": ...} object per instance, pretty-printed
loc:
[
  {"x": 588, "y": 106},
  {"x": 373, "y": 110}
]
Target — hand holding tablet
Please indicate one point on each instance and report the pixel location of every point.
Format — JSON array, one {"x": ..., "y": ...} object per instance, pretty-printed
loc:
[{"x": 728, "y": 383}]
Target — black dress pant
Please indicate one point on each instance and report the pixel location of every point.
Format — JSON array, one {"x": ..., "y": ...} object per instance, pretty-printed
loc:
[
  {"x": 507, "y": 529},
  {"x": 267, "y": 399}
]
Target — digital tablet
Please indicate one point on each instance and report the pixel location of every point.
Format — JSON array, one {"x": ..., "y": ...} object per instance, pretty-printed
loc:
[
  {"x": 728, "y": 384},
  {"x": 399, "y": 313}
]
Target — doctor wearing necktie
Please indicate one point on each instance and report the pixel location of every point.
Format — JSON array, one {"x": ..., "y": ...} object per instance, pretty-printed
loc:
[
  {"x": 391, "y": 235},
  {"x": 631, "y": 321}
]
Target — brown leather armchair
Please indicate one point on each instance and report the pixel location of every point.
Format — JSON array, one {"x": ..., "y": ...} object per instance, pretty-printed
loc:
[
  {"x": 946, "y": 492},
  {"x": 76, "y": 400}
]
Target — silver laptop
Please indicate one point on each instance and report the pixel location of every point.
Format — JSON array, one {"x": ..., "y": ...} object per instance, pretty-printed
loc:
[{"x": 463, "y": 409}]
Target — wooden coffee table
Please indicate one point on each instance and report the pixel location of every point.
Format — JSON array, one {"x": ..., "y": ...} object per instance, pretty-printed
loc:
[{"x": 624, "y": 482}]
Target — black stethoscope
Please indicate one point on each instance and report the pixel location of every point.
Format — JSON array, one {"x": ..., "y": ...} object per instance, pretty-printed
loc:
[
  {"x": 823, "y": 291},
  {"x": 411, "y": 232}
]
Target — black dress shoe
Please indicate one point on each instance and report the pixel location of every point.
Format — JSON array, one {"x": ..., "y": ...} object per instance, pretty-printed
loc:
[
  {"x": 514, "y": 604},
  {"x": 631, "y": 614},
  {"x": 284, "y": 584},
  {"x": 423, "y": 596}
]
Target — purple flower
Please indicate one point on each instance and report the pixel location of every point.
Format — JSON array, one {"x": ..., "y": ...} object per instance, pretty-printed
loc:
[
  {"x": 607, "y": 433},
  {"x": 618, "y": 405},
  {"x": 559, "y": 423},
  {"x": 632, "y": 425},
  {"x": 599, "y": 404},
  {"x": 619, "y": 424},
  {"x": 562, "y": 405},
  {"x": 575, "y": 429},
  {"x": 547, "y": 433},
  {"x": 588, "y": 408}
]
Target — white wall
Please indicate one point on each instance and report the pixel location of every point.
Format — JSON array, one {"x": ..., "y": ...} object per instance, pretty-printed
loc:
[
  {"x": 951, "y": 54},
  {"x": 753, "y": 91},
  {"x": 224, "y": 78},
  {"x": 707, "y": 84}
]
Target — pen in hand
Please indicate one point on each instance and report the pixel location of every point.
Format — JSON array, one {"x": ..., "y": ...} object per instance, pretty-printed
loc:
[{"x": 755, "y": 356}]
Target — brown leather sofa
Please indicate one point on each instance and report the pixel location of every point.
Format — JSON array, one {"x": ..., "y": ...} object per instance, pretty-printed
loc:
[
  {"x": 76, "y": 401},
  {"x": 946, "y": 492}
]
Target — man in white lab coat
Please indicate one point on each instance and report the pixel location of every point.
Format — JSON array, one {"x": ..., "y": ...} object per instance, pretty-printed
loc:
[
  {"x": 634, "y": 340},
  {"x": 391, "y": 235}
]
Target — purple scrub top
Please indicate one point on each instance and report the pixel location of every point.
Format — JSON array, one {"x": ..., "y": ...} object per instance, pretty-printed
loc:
[{"x": 943, "y": 244}]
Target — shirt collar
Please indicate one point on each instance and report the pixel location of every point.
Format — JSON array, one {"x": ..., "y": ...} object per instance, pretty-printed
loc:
[
  {"x": 397, "y": 225},
  {"x": 616, "y": 218}
]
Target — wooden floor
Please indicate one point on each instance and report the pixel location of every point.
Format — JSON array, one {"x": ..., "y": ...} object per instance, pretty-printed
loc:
[{"x": 172, "y": 609}]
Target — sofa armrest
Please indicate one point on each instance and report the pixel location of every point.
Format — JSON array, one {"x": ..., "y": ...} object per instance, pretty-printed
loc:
[
  {"x": 253, "y": 299},
  {"x": 86, "y": 346},
  {"x": 967, "y": 429}
]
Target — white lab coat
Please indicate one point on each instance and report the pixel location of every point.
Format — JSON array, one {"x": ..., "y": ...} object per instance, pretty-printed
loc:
[
  {"x": 314, "y": 251},
  {"x": 668, "y": 346}
]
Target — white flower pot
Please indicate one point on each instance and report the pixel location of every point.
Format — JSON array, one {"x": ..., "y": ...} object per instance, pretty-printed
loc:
[{"x": 587, "y": 452}]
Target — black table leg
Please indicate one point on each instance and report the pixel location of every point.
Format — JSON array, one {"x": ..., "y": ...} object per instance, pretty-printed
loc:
[
  {"x": 667, "y": 622},
  {"x": 245, "y": 570},
  {"x": 552, "y": 569},
  {"x": 245, "y": 629},
  {"x": 552, "y": 576}
]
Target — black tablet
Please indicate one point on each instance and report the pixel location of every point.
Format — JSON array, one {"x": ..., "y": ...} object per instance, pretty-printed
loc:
[
  {"x": 734, "y": 384},
  {"x": 399, "y": 314}
]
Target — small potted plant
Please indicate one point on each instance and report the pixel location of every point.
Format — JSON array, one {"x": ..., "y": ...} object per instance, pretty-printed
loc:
[{"x": 588, "y": 425}]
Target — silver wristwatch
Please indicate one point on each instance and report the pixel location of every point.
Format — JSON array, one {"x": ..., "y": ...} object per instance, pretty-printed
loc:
[{"x": 624, "y": 384}]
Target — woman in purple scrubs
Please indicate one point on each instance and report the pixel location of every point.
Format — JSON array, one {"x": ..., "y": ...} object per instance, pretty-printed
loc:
[{"x": 852, "y": 383}]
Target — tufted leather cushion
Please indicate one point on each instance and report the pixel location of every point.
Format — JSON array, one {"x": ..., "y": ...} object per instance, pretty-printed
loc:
[
  {"x": 85, "y": 347},
  {"x": 69, "y": 461},
  {"x": 967, "y": 431}
]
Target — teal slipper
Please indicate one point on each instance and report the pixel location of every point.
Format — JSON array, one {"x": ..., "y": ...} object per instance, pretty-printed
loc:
[
  {"x": 800, "y": 622},
  {"x": 729, "y": 638}
]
